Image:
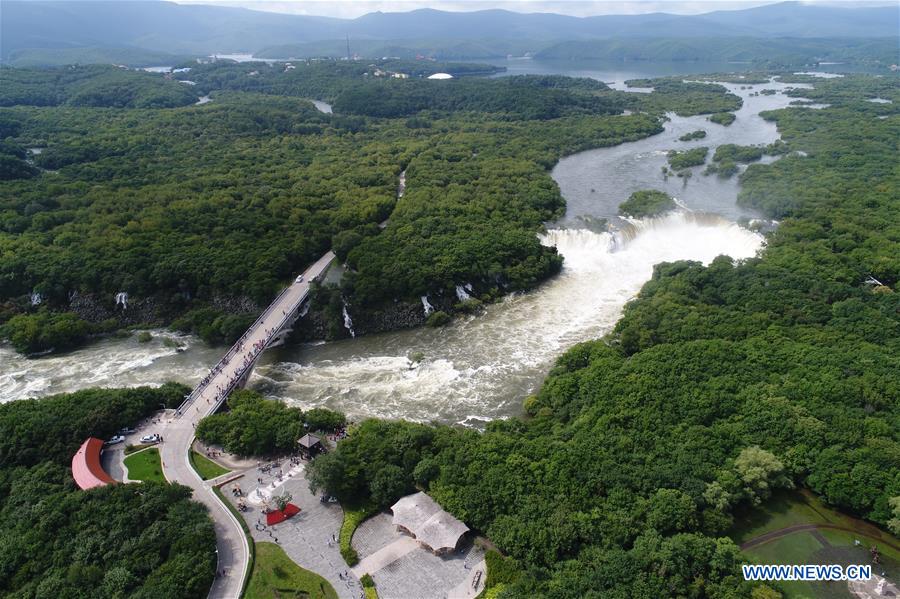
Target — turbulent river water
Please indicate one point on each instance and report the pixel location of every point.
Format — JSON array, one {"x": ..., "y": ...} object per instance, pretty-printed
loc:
[{"x": 477, "y": 368}]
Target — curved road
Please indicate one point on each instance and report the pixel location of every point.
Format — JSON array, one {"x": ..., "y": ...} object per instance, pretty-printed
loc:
[{"x": 178, "y": 435}]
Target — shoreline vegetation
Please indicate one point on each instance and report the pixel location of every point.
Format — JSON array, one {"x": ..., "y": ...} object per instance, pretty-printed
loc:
[
  {"x": 195, "y": 216},
  {"x": 720, "y": 386}
]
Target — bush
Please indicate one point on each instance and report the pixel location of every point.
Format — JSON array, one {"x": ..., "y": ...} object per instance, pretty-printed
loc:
[
  {"x": 31, "y": 333},
  {"x": 438, "y": 319},
  {"x": 144, "y": 337},
  {"x": 352, "y": 520}
]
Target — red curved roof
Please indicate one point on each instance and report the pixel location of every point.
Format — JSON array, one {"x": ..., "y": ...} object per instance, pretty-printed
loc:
[{"x": 86, "y": 468}]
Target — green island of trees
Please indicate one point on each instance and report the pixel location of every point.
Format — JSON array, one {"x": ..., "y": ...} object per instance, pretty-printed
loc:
[
  {"x": 202, "y": 213},
  {"x": 720, "y": 385},
  {"x": 135, "y": 540},
  {"x": 722, "y": 118},
  {"x": 646, "y": 202},
  {"x": 698, "y": 134},
  {"x": 682, "y": 159}
]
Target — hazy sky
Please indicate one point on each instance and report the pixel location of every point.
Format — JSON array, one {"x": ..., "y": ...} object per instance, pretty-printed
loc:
[{"x": 581, "y": 8}]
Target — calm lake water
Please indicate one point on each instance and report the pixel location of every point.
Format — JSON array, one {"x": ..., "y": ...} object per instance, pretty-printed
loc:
[{"x": 478, "y": 368}]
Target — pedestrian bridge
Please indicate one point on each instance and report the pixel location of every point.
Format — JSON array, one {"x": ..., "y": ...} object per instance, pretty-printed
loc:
[{"x": 269, "y": 330}]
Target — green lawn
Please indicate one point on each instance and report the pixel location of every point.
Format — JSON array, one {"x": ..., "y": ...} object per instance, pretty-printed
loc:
[
  {"x": 275, "y": 575},
  {"x": 821, "y": 546},
  {"x": 788, "y": 508},
  {"x": 145, "y": 465},
  {"x": 205, "y": 467}
]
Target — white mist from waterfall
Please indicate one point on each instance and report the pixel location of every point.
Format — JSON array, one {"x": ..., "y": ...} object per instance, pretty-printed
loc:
[{"x": 482, "y": 367}]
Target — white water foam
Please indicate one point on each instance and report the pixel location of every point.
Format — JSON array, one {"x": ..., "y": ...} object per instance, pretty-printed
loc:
[{"x": 486, "y": 365}]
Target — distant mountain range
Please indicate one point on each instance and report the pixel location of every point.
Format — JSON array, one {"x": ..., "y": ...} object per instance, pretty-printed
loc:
[{"x": 31, "y": 28}]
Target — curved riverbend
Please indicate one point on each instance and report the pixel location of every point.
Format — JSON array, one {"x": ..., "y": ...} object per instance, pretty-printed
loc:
[{"x": 478, "y": 368}]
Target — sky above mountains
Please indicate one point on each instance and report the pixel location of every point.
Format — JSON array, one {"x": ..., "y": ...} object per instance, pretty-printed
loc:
[{"x": 348, "y": 9}]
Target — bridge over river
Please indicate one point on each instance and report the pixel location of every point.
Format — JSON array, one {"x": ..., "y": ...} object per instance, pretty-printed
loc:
[{"x": 230, "y": 373}]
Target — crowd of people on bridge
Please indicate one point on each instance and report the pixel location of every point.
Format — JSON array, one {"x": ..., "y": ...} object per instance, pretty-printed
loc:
[{"x": 248, "y": 360}]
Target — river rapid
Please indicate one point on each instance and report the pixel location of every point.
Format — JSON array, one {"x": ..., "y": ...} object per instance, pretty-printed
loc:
[{"x": 480, "y": 367}]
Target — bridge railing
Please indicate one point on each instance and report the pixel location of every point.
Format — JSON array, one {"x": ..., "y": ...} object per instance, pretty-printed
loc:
[
  {"x": 232, "y": 351},
  {"x": 243, "y": 371}
]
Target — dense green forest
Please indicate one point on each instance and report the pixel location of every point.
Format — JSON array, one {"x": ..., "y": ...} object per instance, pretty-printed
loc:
[
  {"x": 719, "y": 385},
  {"x": 94, "y": 85},
  {"x": 136, "y": 540},
  {"x": 194, "y": 205}
]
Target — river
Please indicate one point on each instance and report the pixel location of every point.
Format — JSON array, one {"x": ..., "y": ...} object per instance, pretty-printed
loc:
[{"x": 480, "y": 367}]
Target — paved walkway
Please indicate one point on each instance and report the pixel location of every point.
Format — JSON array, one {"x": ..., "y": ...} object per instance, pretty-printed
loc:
[
  {"x": 307, "y": 537},
  {"x": 178, "y": 433},
  {"x": 386, "y": 555}
]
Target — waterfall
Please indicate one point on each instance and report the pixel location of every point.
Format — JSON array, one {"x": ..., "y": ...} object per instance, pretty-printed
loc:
[
  {"x": 348, "y": 322},
  {"x": 462, "y": 294},
  {"x": 36, "y": 299},
  {"x": 402, "y": 187},
  {"x": 427, "y": 305},
  {"x": 122, "y": 299}
]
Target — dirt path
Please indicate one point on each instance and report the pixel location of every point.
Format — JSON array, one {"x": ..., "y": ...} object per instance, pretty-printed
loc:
[{"x": 783, "y": 532}]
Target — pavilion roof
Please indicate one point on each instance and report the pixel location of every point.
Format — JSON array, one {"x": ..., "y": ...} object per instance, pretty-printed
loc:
[
  {"x": 308, "y": 441},
  {"x": 431, "y": 525}
]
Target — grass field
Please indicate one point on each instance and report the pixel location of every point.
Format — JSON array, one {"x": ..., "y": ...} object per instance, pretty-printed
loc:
[
  {"x": 145, "y": 465},
  {"x": 818, "y": 546},
  {"x": 205, "y": 467},
  {"x": 275, "y": 575}
]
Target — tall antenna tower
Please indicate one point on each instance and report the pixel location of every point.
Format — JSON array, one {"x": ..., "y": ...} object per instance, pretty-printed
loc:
[{"x": 348, "y": 46}]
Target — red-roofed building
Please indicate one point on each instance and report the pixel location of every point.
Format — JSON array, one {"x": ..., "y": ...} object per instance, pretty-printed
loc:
[{"x": 86, "y": 468}]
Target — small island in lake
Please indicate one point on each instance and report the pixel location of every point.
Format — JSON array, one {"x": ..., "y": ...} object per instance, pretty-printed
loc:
[{"x": 646, "y": 202}]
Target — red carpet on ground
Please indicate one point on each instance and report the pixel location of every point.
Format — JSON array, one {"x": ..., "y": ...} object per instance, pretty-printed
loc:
[{"x": 279, "y": 516}]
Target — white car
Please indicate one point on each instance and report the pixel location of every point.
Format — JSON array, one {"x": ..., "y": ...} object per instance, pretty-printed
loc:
[
  {"x": 114, "y": 440},
  {"x": 299, "y": 279},
  {"x": 150, "y": 438}
]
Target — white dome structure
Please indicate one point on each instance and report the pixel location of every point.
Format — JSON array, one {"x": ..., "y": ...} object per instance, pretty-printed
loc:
[{"x": 441, "y": 76}]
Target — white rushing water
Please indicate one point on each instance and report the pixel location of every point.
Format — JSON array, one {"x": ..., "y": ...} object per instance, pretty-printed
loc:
[{"x": 481, "y": 367}]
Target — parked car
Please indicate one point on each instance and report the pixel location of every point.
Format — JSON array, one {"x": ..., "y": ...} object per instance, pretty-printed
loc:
[
  {"x": 154, "y": 438},
  {"x": 299, "y": 279},
  {"x": 126, "y": 431},
  {"x": 114, "y": 440}
]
